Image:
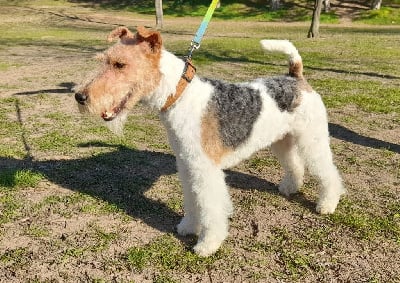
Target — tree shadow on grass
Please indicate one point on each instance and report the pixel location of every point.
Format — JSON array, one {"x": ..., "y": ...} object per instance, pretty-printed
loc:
[
  {"x": 348, "y": 135},
  {"x": 64, "y": 88},
  {"x": 233, "y": 57},
  {"x": 176, "y": 8}
]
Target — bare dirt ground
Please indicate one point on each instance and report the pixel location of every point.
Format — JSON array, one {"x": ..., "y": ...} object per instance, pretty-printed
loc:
[{"x": 74, "y": 228}]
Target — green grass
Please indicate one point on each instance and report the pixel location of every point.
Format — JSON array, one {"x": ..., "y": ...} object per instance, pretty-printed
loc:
[
  {"x": 10, "y": 206},
  {"x": 369, "y": 96},
  {"x": 15, "y": 258},
  {"x": 231, "y": 10},
  {"x": 74, "y": 203},
  {"x": 329, "y": 18},
  {"x": 37, "y": 231},
  {"x": 63, "y": 38},
  {"x": 11, "y": 181},
  {"x": 102, "y": 238},
  {"x": 4, "y": 66},
  {"x": 259, "y": 163},
  {"x": 295, "y": 255},
  {"x": 167, "y": 253},
  {"x": 383, "y": 16},
  {"x": 369, "y": 226},
  {"x": 36, "y": 2},
  {"x": 19, "y": 178}
]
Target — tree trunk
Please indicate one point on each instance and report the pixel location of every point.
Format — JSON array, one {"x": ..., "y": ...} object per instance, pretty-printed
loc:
[
  {"x": 376, "y": 4},
  {"x": 159, "y": 14},
  {"x": 275, "y": 4},
  {"x": 327, "y": 5},
  {"x": 314, "y": 28}
]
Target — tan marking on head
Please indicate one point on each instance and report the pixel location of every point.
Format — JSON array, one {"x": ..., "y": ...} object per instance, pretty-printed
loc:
[
  {"x": 151, "y": 37},
  {"x": 211, "y": 141},
  {"x": 130, "y": 70},
  {"x": 122, "y": 33},
  {"x": 151, "y": 42}
]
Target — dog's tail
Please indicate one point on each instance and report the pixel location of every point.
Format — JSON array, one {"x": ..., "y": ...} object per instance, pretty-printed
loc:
[{"x": 286, "y": 47}]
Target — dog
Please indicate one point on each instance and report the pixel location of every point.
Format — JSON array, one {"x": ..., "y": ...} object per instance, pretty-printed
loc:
[{"x": 213, "y": 125}]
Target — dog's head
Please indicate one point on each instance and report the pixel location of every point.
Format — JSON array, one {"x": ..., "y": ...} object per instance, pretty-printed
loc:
[{"x": 129, "y": 71}]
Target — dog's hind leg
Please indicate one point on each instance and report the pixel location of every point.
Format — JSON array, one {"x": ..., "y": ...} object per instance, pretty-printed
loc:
[
  {"x": 314, "y": 148},
  {"x": 287, "y": 153}
]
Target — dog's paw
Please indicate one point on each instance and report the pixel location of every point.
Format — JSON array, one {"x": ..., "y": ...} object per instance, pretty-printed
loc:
[
  {"x": 288, "y": 186},
  {"x": 209, "y": 242},
  {"x": 326, "y": 207},
  {"x": 187, "y": 227},
  {"x": 206, "y": 248},
  {"x": 327, "y": 203}
]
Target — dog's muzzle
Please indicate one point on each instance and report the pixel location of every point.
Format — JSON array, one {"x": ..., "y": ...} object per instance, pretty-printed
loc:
[{"x": 81, "y": 98}]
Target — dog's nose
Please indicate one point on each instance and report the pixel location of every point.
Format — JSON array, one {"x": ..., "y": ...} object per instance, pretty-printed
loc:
[{"x": 81, "y": 98}]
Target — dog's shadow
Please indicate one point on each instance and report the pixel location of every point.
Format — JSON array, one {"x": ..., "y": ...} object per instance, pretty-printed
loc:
[
  {"x": 122, "y": 176},
  {"x": 118, "y": 176}
]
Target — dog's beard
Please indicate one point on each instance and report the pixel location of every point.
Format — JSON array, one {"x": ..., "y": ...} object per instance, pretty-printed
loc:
[{"x": 116, "y": 125}]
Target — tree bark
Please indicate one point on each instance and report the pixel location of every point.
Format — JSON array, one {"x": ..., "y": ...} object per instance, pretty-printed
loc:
[
  {"x": 275, "y": 4},
  {"x": 159, "y": 14},
  {"x": 314, "y": 28},
  {"x": 327, "y": 5},
  {"x": 376, "y": 4}
]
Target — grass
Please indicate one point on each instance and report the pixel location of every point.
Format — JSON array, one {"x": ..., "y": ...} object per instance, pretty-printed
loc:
[
  {"x": 363, "y": 95},
  {"x": 347, "y": 86},
  {"x": 9, "y": 207},
  {"x": 367, "y": 226},
  {"x": 19, "y": 178},
  {"x": 73, "y": 197},
  {"x": 37, "y": 231},
  {"x": 167, "y": 253},
  {"x": 15, "y": 258},
  {"x": 231, "y": 10},
  {"x": 4, "y": 66},
  {"x": 383, "y": 16},
  {"x": 67, "y": 206},
  {"x": 297, "y": 255}
]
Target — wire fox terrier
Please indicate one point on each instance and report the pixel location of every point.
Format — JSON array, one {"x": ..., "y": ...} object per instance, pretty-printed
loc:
[{"x": 215, "y": 124}]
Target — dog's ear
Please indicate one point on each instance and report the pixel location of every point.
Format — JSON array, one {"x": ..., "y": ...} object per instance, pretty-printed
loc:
[
  {"x": 152, "y": 38},
  {"x": 122, "y": 33}
]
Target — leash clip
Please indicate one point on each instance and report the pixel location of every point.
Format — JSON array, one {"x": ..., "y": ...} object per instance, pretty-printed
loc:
[{"x": 193, "y": 46}]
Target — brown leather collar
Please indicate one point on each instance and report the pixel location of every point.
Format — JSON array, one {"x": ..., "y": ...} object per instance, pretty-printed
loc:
[{"x": 186, "y": 78}]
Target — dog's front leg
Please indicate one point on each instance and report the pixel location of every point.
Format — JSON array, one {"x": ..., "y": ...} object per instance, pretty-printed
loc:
[
  {"x": 190, "y": 223},
  {"x": 207, "y": 205}
]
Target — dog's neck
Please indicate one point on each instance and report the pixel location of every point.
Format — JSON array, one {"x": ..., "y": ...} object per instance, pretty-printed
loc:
[{"x": 171, "y": 68}]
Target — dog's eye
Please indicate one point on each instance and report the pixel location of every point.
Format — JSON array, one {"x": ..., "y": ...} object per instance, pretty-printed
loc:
[{"x": 119, "y": 65}]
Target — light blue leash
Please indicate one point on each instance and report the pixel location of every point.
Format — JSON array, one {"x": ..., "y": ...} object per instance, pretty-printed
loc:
[
  {"x": 195, "y": 44},
  {"x": 189, "y": 69}
]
